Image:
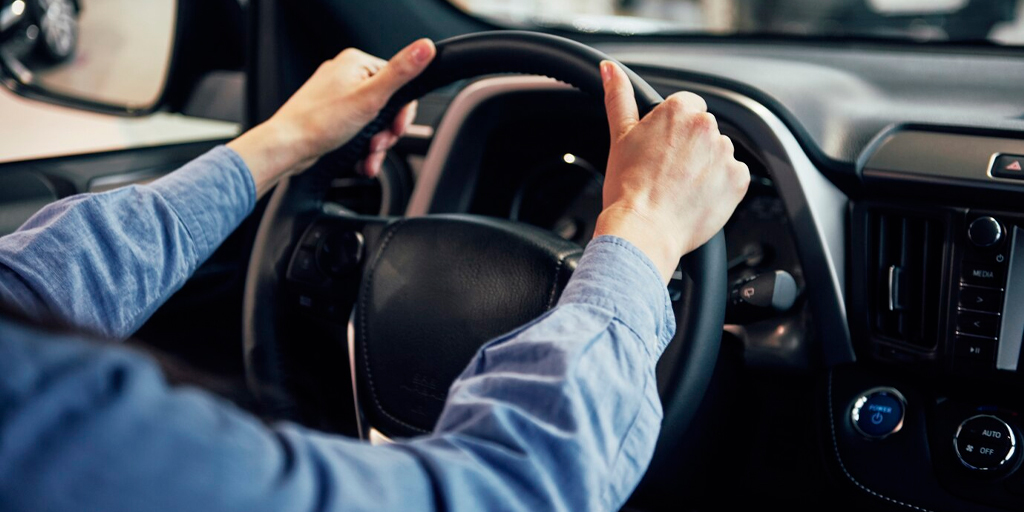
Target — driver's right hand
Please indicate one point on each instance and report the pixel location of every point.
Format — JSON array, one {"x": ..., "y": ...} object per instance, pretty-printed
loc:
[{"x": 672, "y": 181}]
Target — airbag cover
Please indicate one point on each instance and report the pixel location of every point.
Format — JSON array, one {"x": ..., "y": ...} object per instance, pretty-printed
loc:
[{"x": 437, "y": 289}]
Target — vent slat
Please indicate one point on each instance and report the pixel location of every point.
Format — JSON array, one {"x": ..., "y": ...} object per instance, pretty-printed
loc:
[
  {"x": 929, "y": 288},
  {"x": 910, "y": 247}
]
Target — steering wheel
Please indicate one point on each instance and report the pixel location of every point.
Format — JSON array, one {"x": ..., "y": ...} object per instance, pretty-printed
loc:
[{"x": 404, "y": 303}]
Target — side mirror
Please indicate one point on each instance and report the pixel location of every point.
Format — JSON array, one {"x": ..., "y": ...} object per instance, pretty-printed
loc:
[{"x": 111, "y": 56}]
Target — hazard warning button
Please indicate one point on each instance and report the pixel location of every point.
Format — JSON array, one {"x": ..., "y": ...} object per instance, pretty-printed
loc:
[{"x": 1008, "y": 166}]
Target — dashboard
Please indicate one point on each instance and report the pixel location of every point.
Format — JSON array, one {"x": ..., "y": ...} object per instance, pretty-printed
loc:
[
  {"x": 548, "y": 171},
  {"x": 884, "y": 183},
  {"x": 901, "y": 231}
]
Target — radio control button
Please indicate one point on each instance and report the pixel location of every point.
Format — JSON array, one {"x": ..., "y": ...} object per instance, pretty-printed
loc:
[
  {"x": 981, "y": 299},
  {"x": 982, "y": 275},
  {"x": 978, "y": 324},
  {"x": 982, "y": 350}
]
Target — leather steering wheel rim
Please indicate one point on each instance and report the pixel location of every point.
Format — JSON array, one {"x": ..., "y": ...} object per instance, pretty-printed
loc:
[{"x": 297, "y": 201}]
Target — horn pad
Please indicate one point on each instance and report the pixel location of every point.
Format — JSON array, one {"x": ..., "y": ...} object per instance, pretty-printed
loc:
[{"x": 435, "y": 291}]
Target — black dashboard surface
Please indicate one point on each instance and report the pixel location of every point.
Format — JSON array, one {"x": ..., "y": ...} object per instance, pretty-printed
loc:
[
  {"x": 836, "y": 102},
  {"x": 837, "y": 98}
]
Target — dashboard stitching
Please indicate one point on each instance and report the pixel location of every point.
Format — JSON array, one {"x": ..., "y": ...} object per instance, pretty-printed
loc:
[
  {"x": 362, "y": 333},
  {"x": 839, "y": 458}
]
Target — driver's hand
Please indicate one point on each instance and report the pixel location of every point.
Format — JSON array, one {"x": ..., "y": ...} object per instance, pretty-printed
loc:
[
  {"x": 672, "y": 181},
  {"x": 342, "y": 96}
]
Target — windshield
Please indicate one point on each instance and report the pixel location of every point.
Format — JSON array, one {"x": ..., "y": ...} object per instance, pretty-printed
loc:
[{"x": 996, "y": 21}]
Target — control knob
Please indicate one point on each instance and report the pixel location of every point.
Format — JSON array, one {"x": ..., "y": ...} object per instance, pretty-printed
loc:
[
  {"x": 985, "y": 232},
  {"x": 984, "y": 443}
]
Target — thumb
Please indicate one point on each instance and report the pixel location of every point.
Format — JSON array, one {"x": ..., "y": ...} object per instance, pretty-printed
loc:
[
  {"x": 407, "y": 64},
  {"x": 618, "y": 100}
]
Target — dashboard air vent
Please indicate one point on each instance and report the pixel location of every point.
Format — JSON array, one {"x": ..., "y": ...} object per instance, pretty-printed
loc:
[{"x": 905, "y": 277}]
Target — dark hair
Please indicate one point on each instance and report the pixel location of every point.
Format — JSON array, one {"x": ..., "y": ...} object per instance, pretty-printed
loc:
[{"x": 176, "y": 371}]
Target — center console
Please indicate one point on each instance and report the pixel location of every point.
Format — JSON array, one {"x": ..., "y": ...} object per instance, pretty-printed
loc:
[{"x": 932, "y": 414}]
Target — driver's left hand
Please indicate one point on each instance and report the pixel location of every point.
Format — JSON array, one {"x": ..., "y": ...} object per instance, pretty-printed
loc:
[{"x": 344, "y": 94}]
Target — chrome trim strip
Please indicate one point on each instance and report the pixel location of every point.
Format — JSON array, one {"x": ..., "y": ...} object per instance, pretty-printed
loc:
[
  {"x": 1012, "y": 330},
  {"x": 379, "y": 439},
  {"x": 893, "y": 290},
  {"x": 351, "y": 335},
  {"x": 808, "y": 195}
]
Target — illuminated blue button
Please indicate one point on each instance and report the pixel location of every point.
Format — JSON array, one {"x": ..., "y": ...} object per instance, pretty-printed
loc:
[{"x": 878, "y": 413}]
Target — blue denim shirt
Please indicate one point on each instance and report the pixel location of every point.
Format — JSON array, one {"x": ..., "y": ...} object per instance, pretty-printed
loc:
[{"x": 560, "y": 414}]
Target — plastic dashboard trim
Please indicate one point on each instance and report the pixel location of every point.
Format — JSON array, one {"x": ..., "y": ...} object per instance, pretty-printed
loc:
[{"x": 940, "y": 155}]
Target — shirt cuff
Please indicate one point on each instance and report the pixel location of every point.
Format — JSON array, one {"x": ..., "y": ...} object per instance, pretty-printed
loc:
[
  {"x": 615, "y": 275},
  {"x": 212, "y": 195}
]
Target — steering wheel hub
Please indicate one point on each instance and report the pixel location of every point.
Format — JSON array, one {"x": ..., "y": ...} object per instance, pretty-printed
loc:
[{"x": 437, "y": 288}]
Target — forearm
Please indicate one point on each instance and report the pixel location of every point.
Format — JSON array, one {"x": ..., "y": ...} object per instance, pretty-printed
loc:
[
  {"x": 105, "y": 262},
  {"x": 562, "y": 414}
]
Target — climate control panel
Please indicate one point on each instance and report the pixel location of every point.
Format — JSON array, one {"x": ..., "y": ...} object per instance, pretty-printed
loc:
[
  {"x": 936, "y": 444},
  {"x": 985, "y": 443}
]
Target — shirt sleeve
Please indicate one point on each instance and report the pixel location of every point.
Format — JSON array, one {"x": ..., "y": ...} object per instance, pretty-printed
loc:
[
  {"x": 105, "y": 262},
  {"x": 561, "y": 414}
]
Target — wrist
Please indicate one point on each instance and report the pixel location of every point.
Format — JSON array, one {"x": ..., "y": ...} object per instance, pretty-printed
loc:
[
  {"x": 270, "y": 151},
  {"x": 662, "y": 247}
]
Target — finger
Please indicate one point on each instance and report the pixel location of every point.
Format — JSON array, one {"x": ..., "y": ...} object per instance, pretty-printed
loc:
[
  {"x": 379, "y": 145},
  {"x": 728, "y": 146},
  {"x": 360, "y": 57},
  {"x": 353, "y": 53},
  {"x": 373, "y": 163},
  {"x": 372, "y": 65},
  {"x": 403, "y": 67},
  {"x": 404, "y": 118},
  {"x": 618, "y": 100},
  {"x": 742, "y": 174},
  {"x": 352, "y": 60},
  {"x": 390, "y": 142},
  {"x": 382, "y": 141},
  {"x": 689, "y": 101}
]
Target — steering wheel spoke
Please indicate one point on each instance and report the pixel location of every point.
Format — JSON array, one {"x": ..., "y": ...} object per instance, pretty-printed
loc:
[{"x": 325, "y": 268}]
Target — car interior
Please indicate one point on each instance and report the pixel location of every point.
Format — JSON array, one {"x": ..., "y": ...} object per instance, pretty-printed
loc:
[{"x": 851, "y": 341}]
